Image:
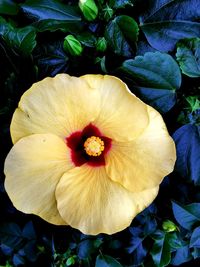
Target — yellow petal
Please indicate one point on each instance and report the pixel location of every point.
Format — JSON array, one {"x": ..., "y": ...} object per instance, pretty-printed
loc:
[
  {"x": 122, "y": 115},
  {"x": 64, "y": 104},
  {"x": 59, "y": 105},
  {"x": 89, "y": 201},
  {"x": 33, "y": 168},
  {"x": 144, "y": 162}
]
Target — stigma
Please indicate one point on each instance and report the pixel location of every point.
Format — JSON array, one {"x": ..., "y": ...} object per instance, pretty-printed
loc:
[{"x": 94, "y": 146}]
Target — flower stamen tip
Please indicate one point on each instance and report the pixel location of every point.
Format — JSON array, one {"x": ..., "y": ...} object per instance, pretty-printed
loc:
[{"x": 94, "y": 146}]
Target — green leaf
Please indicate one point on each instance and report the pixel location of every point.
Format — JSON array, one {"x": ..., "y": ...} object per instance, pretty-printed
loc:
[
  {"x": 52, "y": 15},
  {"x": 182, "y": 255},
  {"x": 196, "y": 253},
  {"x": 18, "y": 260},
  {"x": 8, "y": 7},
  {"x": 121, "y": 3},
  {"x": 186, "y": 215},
  {"x": 165, "y": 22},
  {"x": 87, "y": 38},
  {"x": 187, "y": 139},
  {"x": 160, "y": 251},
  {"x": 51, "y": 59},
  {"x": 29, "y": 231},
  {"x": 156, "y": 76},
  {"x": 188, "y": 56},
  {"x": 4, "y": 26},
  {"x": 106, "y": 261},
  {"x": 175, "y": 241},
  {"x": 121, "y": 34},
  {"x": 86, "y": 248},
  {"x": 10, "y": 234},
  {"x": 194, "y": 103},
  {"x": 21, "y": 40},
  {"x": 195, "y": 238}
]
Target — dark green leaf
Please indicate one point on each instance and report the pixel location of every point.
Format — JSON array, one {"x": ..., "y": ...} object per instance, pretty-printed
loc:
[
  {"x": 195, "y": 238},
  {"x": 30, "y": 250},
  {"x": 4, "y": 26},
  {"x": 51, "y": 15},
  {"x": 22, "y": 40},
  {"x": 186, "y": 215},
  {"x": 6, "y": 250},
  {"x": 188, "y": 56},
  {"x": 193, "y": 103},
  {"x": 10, "y": 234},
  {"x": 175, "y": 241},
  {"x": 86, "y": 248},
  {"x": 136, "y": 248},
  {"x": 18, "y": 260},
  {"x": 160, "y": 251},
  {"x": 157, "y": 76},
  {"x": 51, "y": 59},
  {"x": 106, "y": 261},
  {"x": 29, "y": 231},
  {"x": 136, "y": 239},
  {"x": 182, "y": 255},
  {"x": 165, "y": 22},
  {"x": 87, "y": 39},
  {"x": 8, "y": 7},
  {"x": 187, "y": 139},
  {"x": 121, "y": 3},
  {"x": 121, "y": 35},
  {"x": 196, "y": 253}
]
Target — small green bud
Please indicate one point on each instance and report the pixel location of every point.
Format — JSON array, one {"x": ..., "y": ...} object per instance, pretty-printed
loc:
[
  {"x": 70, "y": 261},
  {"x": 101, "y": 44},
  {"x": 89, "y": 9},
  {"x": 169, "y": 226},
  {"x": 193, "y": 102},
  {"x": 72, "y": 45},
  {"x": 107, "y": 13}
]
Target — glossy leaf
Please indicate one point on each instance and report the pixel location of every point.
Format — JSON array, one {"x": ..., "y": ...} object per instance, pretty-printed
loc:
[
  {"x": 121, "y": 3},
  {"x": 188, "y": 56},
  {"x": 136, "y": 239},
  {"x": 87, "y": 39},
  {"x": 187, "y": 139},
  {"x": 18, "y": 260},
  {"x": 165, "y": 22},
  {"x": 106, "y": 261},
  {"x": 121, "y": 35},
  {"x": 195, "y": 238},
  {"x": 29, "y": 231},
  {"x": 87, "y": 247},
  {"x": 181, "y": 255},
  {"x": 10, "y": 234},
  {"x": 51, "y": 59},
  {"x": 4, "y": 26},
  {"x": 8, "y": 7},
  {"x": 175, "y": 241},
  {"x": 160, "y": 251},
  {"x": 22, "y": 40},
  {"x": 186, "y": 215},
  {"x": 51, "y": 15},
  {"x": 196, "y": 253},
  {"x": 136, "y": 247},
  {"x": 156, "y": 76}
]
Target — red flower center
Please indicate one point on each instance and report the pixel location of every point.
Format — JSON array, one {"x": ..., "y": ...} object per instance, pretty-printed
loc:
[{"x": 88, "y": 146}]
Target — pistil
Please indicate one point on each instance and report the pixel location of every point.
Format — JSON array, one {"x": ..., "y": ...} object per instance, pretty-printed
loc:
[{"x": 94, "y": 146}]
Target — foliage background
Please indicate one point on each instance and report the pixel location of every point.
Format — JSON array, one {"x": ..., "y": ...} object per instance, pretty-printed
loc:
[{"x": 152, "y": 45}]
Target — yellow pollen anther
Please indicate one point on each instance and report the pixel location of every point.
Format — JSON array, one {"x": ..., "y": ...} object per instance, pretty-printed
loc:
[{"x": 94, "y": 146}]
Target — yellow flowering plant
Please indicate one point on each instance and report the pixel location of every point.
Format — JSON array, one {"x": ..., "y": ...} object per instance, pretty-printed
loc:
[{"x": 87, "y": 153}]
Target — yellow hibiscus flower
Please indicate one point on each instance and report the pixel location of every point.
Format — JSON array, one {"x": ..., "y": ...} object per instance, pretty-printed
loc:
[{"x": 87, "y": 153}]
